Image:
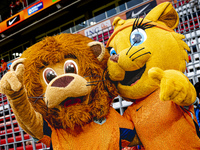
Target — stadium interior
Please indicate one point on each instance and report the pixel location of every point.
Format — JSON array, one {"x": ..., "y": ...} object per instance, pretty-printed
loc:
[{"x": 36, "y": 19}]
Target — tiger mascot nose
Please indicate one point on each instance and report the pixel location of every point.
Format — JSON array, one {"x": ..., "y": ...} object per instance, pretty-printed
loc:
[{"x": 114, "y": 58}]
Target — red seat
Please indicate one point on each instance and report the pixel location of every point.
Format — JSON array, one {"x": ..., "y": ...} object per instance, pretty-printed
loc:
[
  {"x": 7, "y": 117},
  {"x": 95, "y": 38},
  {"x": 105, "y": 33},
  {"x": 17, "y": 138},
  {"x": 9, "y": 131},
  {"x": 8, "y": 123},
  {"x": 4, "y": 103},
  {"x": 29, "y": 147},
  {"x": 106, "y": 38},
  {"x": 100, "y": 36},
  {"x": 111, "y": 31}
]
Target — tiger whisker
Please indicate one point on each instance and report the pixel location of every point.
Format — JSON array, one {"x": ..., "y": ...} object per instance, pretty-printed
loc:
[
  {"x": 136, "y": 52},
  {"x": 130, "y": 48},
  {"x": 141, "y": 55}
]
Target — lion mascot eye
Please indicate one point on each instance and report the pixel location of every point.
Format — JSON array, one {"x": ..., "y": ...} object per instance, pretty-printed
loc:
[
  {"x": 71, "y": 67},
  {"x": 48, "y": 75},
  {"x": 137, "y": 37}
]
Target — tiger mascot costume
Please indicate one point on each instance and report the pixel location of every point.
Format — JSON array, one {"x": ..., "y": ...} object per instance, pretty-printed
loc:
[{"x": 147, "y": 63}]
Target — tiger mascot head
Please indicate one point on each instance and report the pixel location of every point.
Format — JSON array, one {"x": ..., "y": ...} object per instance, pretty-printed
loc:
[{"x": 139, "y": 44}]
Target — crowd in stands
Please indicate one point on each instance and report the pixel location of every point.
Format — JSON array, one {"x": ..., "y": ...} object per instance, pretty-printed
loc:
[
  {"x": 3, "y": 68},
  {"x": 16, "y": 6}
]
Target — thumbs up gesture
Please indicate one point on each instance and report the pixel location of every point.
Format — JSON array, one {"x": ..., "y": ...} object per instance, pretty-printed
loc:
[
  {"x": 174, "y": 86},
  {"x": 12, "y": 81}
]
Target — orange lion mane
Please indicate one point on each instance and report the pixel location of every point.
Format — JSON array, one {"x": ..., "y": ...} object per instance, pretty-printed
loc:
[{"x": 52, "y": 50}]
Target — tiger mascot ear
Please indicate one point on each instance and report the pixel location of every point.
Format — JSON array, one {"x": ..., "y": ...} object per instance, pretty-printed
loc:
[
  {"x": 165, "y": 14},
  {"x": 98, "y": 49}
]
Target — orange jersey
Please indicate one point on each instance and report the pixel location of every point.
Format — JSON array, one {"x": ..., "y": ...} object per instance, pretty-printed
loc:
[
  {"x": 163, "y": 125},
  {"x": 107, "y": 136}
]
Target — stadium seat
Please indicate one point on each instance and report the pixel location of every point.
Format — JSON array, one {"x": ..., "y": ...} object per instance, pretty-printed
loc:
[
  {"x": 9, "y": 131},
  {"x": 94, "y": 38},
  {"x": 17, "y": 138},
  {"x": 30, "y": 147}
]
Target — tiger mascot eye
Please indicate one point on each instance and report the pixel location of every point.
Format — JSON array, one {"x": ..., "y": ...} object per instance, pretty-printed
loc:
[
  {"x": 147, "y": 61},
  {"x": 60, "y": 95}
]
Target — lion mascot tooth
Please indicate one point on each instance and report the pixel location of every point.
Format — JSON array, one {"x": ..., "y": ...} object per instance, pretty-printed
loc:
[{"x": 148, "y": 60}]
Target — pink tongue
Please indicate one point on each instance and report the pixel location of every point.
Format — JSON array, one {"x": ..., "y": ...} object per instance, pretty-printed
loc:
[
  {"x": 71, "y": 102},
  {"x": 134, "y": 83}
]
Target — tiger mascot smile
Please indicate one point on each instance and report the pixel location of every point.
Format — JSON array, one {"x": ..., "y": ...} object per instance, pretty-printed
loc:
[{"x": 147, "y": 63}]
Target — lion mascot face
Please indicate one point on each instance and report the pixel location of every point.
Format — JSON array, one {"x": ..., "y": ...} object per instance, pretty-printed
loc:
[
  {"x": 67, "y": 72},
  {"x": 142, "y": 44}
]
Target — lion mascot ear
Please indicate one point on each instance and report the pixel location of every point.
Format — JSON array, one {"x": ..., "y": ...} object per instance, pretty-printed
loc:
[
  {"x": 98, "y": 49},
  {"x": 164, "y": 14}
]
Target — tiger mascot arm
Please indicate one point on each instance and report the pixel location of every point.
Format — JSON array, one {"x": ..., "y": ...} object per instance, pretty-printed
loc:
[{"x": 174, "y": 85}]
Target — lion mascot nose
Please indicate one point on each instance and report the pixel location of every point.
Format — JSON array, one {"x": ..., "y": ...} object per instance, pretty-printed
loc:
[{"x": 62, "y": 81}]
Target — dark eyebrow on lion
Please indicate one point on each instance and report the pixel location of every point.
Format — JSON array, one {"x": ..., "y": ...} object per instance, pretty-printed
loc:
[
  {"x": 138, "y": 24},
  {"x": 66, "y": 56},
  {"x": 70, "y": 56}
]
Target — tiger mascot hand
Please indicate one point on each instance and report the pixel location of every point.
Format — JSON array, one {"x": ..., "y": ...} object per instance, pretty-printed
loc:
[{"x": 174, "y": 85}]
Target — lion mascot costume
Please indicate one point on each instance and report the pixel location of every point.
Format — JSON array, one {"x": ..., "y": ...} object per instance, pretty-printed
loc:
[
  {"x": 147, "y": 63},
  {"x": 60, "y": 95}
]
